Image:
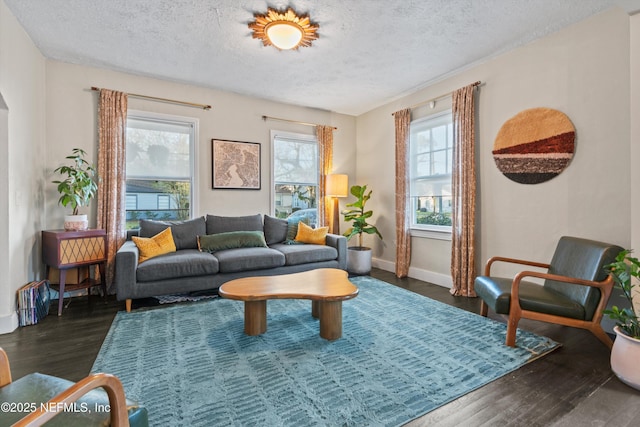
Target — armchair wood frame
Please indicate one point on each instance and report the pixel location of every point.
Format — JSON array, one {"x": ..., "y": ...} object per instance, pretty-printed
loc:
[
  {"x": 111, "y": 384},
  {"x": 516, "y": 312}
]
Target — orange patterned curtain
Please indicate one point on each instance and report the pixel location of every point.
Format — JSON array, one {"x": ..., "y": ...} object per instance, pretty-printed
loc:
[
  {"x": 463, "y": 180},
  {"x": 325, "y": 151},
  {"x": 403, "y": 236},
  {"x": 112, "y": 124}
]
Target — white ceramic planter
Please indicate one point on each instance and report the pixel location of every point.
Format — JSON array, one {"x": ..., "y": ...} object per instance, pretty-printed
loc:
[
  {"x": 359, "y": 260},
  {"x": 75, "y": 222},
  {"x": 625, "y": 357}
]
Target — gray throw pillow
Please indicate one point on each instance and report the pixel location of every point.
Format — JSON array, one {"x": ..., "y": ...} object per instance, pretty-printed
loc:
[
  {"x": 292, "y": 229},
  {"x": 275, "y": 229},
  {"x": 232, "y": 240},
  {"x": 185, "y": 233},
  {"x": 225, "y": 224}
]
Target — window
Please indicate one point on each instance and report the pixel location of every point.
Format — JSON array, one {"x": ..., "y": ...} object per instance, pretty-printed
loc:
[
  {"x": 164, "y": 202},
  {"x": 132, "y": 202},
  {"x": 431, "y": 154},
  {"x": 160, "y": 167},
  {"x": 295, "y": 174}
]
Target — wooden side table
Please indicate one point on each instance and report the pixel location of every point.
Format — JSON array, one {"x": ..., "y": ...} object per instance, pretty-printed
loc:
[{"x": 71, "y": 249}]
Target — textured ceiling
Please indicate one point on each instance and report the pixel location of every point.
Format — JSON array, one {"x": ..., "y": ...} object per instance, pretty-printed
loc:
[{"x": 369, "y": 51}]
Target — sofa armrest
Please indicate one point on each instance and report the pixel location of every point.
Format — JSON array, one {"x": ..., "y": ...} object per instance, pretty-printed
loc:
[
  {"x": 125, "y": 274},
  {"x": 340, "y": 243},
  {"x": 133, "y": 232}
]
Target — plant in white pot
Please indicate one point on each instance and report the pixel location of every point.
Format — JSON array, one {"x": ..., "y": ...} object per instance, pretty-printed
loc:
[
  {"x": 625, "y": 354},
  {"x": 77, "y": 188},
  {"x": 359, "y": 257}
]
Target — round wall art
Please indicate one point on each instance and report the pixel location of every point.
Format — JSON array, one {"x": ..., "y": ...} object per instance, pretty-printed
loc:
[{"x": 534, "y": 145}]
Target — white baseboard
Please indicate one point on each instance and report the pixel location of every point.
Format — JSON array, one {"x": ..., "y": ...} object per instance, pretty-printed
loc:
[
  {"x": 439, "y": 279},
  {"x": 8, "y": 323}
]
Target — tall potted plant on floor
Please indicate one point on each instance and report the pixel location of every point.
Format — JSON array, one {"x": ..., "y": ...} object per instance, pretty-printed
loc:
[
  {"x": 359, "y": 257},
  {"x": 625, "y": 353},
  {"x": 77, "y": 188}
]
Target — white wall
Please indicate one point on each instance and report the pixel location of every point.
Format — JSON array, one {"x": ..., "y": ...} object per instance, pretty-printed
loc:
[
  {"x": 635, "y": 129},
  {"x": 22, "y": 78},
  {"x": 72, "y": 122},
  {"x": 635, "y": 141},
  {"x": 583, "y": 71}
]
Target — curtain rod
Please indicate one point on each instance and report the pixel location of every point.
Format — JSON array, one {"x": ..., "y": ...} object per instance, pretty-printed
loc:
[
  {"x": 444, "y": 95},
  {"x": 153, "y": 98},
  {"x": 265, "y": 118}
]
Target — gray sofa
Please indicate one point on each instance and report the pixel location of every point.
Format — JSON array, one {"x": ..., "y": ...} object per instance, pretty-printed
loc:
[{"x": 189, "y": 269}]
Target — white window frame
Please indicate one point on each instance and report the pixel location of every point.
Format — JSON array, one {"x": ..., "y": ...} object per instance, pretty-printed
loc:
[
  {"x": 193, "y": 149},
  {"x": 438, "y": 232},
  {"x": 302, "y": 137}
]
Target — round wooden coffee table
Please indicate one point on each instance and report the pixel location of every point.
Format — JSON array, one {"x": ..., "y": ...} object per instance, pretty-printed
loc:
[{"x": 325, "y": 287}]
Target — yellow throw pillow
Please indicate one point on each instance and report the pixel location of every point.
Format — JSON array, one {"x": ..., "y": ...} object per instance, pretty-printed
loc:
[
  {"x": 306, "y": 234},
  {"x": 149, "y": 247}
]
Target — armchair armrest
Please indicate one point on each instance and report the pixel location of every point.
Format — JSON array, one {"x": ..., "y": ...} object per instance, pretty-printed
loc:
[
  {"x": 5, "y": 369},
  {"x": 605, "y": 286},
  {"x": 340, "y": 243},
  {"x": 126, "y": 263},
  {"x": 110, "y": 383},
  {"x": 487, "y": 268}
]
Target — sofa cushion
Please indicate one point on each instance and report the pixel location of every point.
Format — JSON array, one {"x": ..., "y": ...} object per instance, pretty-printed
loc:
[
  {"x": 303, "y": 254},
  {"x": 224, "y": 224},
  {"x": 149, "y": 247},
  {"x": 275, "y": 229},
  {"x": 185, "y": 233},
  {"x": 184, "y": 263},
  {"x": 306, "y": 234},
  {"x": 231, "y": 240},
  {"x": 244, "y": 259}
]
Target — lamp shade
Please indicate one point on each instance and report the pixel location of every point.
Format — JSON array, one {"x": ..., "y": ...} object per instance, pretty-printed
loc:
[
  {"x": 337, "y": 185},
  {"x": 284, "y": 35}
]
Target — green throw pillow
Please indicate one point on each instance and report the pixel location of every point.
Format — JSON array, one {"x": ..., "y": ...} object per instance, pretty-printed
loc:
[{"x": 231, "y": 240}]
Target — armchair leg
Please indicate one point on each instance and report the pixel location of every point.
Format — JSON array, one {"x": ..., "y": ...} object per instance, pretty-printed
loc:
[
  {"x": 484, "y": 309},
  {"x": 127, "y": 304},
  {"x": 512, "y": 328}
]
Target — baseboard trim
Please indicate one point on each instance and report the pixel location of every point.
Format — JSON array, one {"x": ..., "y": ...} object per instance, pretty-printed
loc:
[
  {"x": 8, "y": 323},
  {"x": 416, "y": 273}
]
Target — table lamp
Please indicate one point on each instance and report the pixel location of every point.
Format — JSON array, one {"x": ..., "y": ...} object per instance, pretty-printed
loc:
[{"x": 336, "y": 186}]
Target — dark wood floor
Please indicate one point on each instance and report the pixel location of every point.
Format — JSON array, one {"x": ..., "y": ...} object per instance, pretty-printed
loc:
[{"x": 572, "y": 386}]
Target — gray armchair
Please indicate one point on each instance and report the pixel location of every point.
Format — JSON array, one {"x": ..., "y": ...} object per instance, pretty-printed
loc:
[{"x": 575, "y": 291}]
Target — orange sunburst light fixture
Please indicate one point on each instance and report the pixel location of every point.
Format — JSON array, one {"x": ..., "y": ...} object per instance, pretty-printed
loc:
[{"x": 284, "y": 30}]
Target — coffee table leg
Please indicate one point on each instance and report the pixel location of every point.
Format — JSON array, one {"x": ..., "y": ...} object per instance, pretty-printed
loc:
[
  {"x": 330, "y": 319},
  {"x": 315, "y": 309},
  {"x": 255, "y": 317}
]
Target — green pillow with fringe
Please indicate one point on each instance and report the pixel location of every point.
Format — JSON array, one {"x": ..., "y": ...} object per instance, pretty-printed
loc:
[{"x": 231, "y": 240}]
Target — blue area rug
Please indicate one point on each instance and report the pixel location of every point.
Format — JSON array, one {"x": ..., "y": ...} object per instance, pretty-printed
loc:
[{"x": 401, "y": 355}]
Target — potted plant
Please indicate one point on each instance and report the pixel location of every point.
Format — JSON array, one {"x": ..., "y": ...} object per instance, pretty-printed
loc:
[
  {"x": 626, "y": 347},
  {"x": 359, "y": 257},
  {"x": 76, "y": 189}
]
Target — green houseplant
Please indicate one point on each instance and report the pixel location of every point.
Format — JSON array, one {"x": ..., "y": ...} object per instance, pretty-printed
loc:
[
  {"x": 77, "y": 188},
  {"x": 626, "y": 348},
  {"x": 359, "y": 257},
  {"x": 623, "y": 270}
]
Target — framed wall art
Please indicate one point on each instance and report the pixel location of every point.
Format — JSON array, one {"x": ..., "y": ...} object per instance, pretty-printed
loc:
[{"x": 235, "y": 165}]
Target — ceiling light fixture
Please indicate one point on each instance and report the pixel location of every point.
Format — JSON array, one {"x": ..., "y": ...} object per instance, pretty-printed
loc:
[{"x": 284, "y": 30}]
